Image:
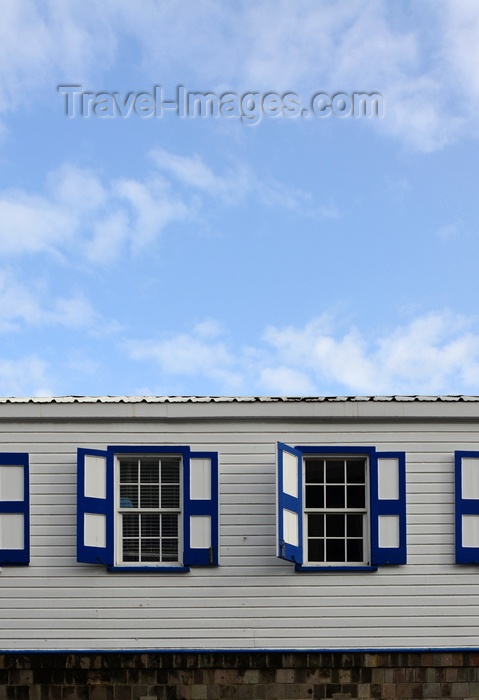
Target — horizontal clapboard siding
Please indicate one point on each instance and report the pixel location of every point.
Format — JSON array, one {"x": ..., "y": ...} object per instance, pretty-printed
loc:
[{"x": 253, "y": 600}]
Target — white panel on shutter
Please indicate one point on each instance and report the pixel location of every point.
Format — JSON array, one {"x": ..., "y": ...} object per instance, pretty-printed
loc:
[
  {"x": 12, "y": 531},
  {"x": 200, "y": 479},
  {"x": 200, "y": 531}
]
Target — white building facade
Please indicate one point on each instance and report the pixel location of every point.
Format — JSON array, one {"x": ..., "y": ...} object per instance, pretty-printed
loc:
[{"x": 156, "y": 524}]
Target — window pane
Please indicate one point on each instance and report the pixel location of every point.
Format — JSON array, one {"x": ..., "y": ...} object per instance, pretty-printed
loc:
[
  {"x": 149, "y": 497},
  {"x": 355, "y": 525},
  {"x": 150, "y": 550},
  {"x": 169, "y": 525},
  {"x": 335, "y": 525},
  {"x": 315, "y": 550},
  {"x": 169, "y": 549},
  {"x": 150, "y": 471},
  {"x": 334, "y": 471},
  {"x": 128, "y": 496},
  {"x": 355, "y": 550},
  {"x": 129, "y": 471},
  {"x": 314, "y": 471},
  {"x": 170, "y": 470},
  {"x": 334, "y": 496},
  {"x": 130, "y": 524},
  {"x": 335, "y": 550},
  {"x": 314, "y": 496},
  {"x": 356, "y": 497},
  {"x": 316, "y": 525},
  {"x": 355, "y": 471},
  {"x": 170, "y": 496},
  {"x": 150, "y": 525},
  {"x": 131, "y": 550}
]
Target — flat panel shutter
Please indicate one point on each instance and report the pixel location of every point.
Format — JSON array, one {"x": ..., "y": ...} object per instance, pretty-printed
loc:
[
  {"x": 289, "y": 514},
  {"x": 467, "y": 507},
  {"x": 388, "y": 508},
  {"x": 95, "y": 507},
  {"x": 14, "y": 509},
  {"x": 200, "y": 509}
]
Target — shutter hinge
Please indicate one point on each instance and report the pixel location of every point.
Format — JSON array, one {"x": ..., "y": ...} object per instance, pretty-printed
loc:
[{"x": 210, "y": 554}]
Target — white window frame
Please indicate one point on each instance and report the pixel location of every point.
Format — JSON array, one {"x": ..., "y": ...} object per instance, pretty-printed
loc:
[
  {"x": 325, "y": 510},
  {"x": 119, "y": 511}
]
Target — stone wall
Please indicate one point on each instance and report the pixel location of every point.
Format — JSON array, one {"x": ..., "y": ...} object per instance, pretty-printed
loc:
[{"x": 238, "y": 675}]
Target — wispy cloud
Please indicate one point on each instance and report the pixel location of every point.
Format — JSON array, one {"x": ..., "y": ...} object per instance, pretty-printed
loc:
[
  {"x": 31, "y": 305},
  {"x": 101, "y": 220},
  {"x": 435, "y": 353},
  {"x": 25, "y": 376},
  {"x": 424, "y": 60},
  {"x": 233, "y": 185}
]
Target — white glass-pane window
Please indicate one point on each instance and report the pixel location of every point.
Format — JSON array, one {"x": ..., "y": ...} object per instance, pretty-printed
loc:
[
  {"x": 149, "y": 508},
  {"x": 335, "y": 498}
]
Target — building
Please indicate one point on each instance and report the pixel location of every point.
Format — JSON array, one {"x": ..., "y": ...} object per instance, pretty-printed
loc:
[{"x": 198, "y": 547}]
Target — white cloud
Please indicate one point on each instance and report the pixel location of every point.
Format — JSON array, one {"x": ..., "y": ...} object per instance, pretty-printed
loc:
[
  {"x": 234, "y": 185},
  {"x": 101, "y": 220},
  {"x": 423, "y": 59},
  {"x": 153, "y": 207},
  {"x": 434, "y": 354},
  {"x": 22, "y": 306},
  {"x": 26, "y": 376},
  {"x": 190, "y": 354}
]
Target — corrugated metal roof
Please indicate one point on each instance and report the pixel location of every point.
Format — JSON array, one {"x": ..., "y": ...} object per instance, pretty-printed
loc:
[{"x": 226, "y": 399}]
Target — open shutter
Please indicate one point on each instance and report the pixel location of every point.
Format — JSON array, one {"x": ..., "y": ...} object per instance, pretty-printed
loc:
[
  {"x": 14, "y": 509},
  {"x": 200, "y": 512},
  {"x": 95, "y": 507},
  {"x": 290, "y": 503},
  {"x": 388, "y": 508},
  {"x": 467, "y": 507}
]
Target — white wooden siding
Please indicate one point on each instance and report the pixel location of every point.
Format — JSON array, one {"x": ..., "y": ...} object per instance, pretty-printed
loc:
[{"x": 253, "y": 600}]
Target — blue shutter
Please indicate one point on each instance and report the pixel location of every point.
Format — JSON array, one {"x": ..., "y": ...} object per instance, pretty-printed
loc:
[
  {"x": 200, "y": 509},
  {"x": 14, "y": 509},
  {"x": 95, "y": 507},
  {"x": 388, "y": 508},
  {"x": 467, "y": 507},
  {"x": 289, "y": 514}
]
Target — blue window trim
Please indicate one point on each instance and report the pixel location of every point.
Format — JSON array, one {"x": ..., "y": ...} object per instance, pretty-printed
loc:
[
  {"x": 287, "y": 551},
  {"x": 191, "y": 557},
  {"x": 463, "y": 506},
  {"x": 192, "y": 507},
  {"x": 101, "y": 506},
  {"x": 148, "y": 569},
  {"x": 379, "y": 556},
  {"x": 19, "y": 557},
  {"x": 327, "y": 569},
  {"x": 388, "y": 555}
]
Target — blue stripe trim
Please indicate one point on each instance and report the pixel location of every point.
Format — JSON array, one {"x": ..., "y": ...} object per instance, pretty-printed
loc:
[
  {"x": 463, "y": 506},
  {"x": 294, "y": 504},
  {"x": 18, "y": 557},
  {"x": 327, "y": 569},
  {"x": 148, "y": 569},
  {"x": 252, "y": 650}
]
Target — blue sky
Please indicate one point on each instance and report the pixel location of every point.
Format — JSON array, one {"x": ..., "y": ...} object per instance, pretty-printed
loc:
[{"x": 302, "y": 255}]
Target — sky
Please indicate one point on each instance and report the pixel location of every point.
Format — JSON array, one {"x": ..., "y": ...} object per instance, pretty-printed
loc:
[{"x": 270, "y": 240}]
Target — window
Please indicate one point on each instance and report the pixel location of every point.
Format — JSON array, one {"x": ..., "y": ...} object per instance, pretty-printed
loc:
[
  {"x": 14, "y": 509},
  {"x": 341, "y": 507},
  {"x": 467, "y": 507},
  {"x": 147, "y": 508}
]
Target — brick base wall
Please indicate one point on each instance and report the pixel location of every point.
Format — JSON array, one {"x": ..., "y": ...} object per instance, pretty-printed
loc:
[{"x": 242, "y": 676}]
